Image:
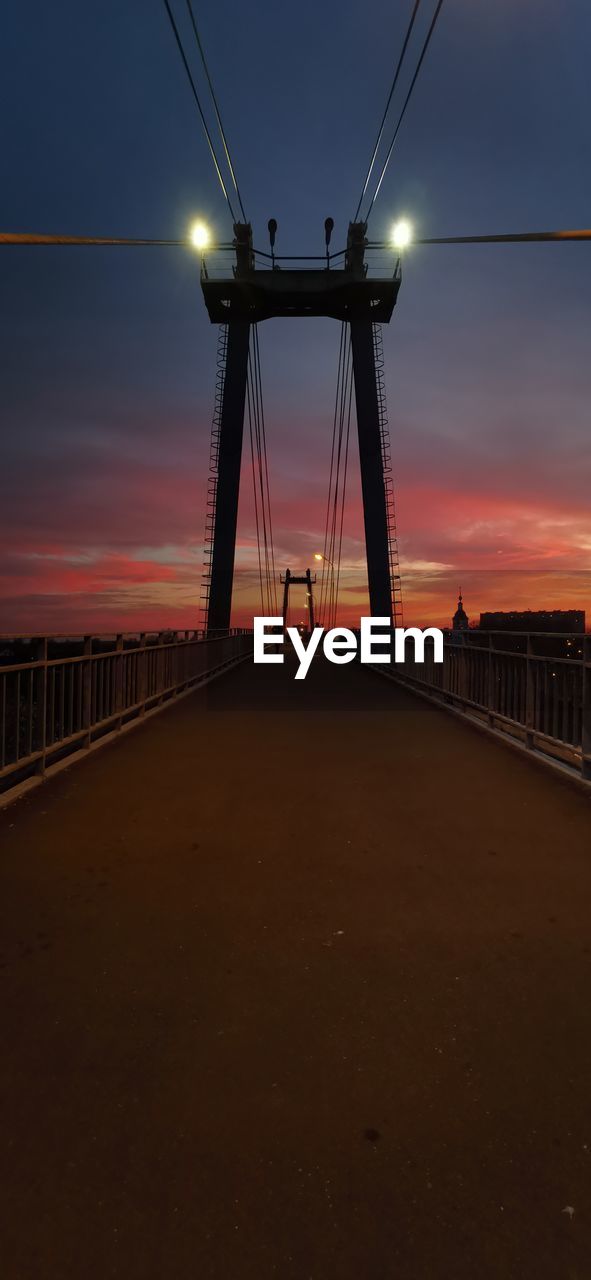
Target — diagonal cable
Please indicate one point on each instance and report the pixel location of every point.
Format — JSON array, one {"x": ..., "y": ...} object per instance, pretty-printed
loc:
[
  {"x": 387, "y": 107},
  {"x": 405, "y": 105},
  {"x": 216, "y": 107},
  {"x": 199, "y": 107}
]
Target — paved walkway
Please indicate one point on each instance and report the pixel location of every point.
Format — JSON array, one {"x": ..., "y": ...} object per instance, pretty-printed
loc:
[{"x": 296, "y": 983}]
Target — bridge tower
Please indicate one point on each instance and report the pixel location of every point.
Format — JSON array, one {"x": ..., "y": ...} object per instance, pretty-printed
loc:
[
  {"x": 346, "y": 293},
  {"x": 290, "y": 580}
]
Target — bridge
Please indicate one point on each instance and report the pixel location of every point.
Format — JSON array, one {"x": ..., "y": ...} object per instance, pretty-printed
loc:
[
  {"x": 304, "y": 968},
  {"x": 295, "y": 974}
]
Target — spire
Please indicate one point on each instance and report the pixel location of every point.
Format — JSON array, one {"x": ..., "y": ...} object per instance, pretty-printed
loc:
[{"x": 460, "y": 619}]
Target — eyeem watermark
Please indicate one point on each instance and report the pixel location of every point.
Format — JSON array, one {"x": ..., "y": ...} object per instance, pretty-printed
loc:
[{"x": 340, "y": 644}]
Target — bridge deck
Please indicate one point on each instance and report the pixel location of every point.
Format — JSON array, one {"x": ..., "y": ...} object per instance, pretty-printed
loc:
[{"x": 296, "y": 983}]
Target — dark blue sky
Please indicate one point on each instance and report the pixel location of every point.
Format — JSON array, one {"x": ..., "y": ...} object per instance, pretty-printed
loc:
[{"x": 107, "y": 357}]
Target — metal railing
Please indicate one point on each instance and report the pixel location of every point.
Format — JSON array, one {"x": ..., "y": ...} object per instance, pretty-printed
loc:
[
  {"x": 62, "y": 695},
  {"x": 380, "y": 262},
  {"x": 533, "y": 687}
]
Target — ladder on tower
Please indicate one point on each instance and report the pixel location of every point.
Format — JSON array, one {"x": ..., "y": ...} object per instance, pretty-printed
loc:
[
  {"x": 212, "y": 483},
  {"x": 397, "y": 611}
]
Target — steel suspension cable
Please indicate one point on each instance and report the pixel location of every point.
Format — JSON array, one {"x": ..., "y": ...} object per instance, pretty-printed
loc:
[
  {"x": 340, "y": 478},
  {"x": 254, "y": 486},
  {"x": 404, "y": 107},
  {"x": 513, "y": 237},
  {"x": 335, "y": 488},
  {"x": 26, "y": 239},
  {"x": 325, "y": 557},
  {"x": 199, "y": 107},
  {"x": 349, "y": 397},
  {"x": 334, "y": 496},
  {"x": 264, "y": 506},
  {"x": 215, "y": 107},
  {"x": 265, "y": 459},
  {"x": 387, "y": 107},
  {"x": 261, "y": 477},
  {"x": 16, "y": 238},
  {"x": 262, "y": 471},
  {"x": 262, "y": 540}
]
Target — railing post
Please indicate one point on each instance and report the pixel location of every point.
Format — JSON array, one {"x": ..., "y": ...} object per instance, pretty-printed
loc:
[
  {"x": 463, "y": 681},
  {"x": 529, "y": 695},
  {"x": 119, "y": 660},
  {"x": 490, "y": 682},
  {"x": 179, "y": 662},
  {"x": 586, "y": 710},
  {"x": 87, "y": 690},
  {"x": 160, "y": 666},
  {"x": 142, "y": 674},
  {"x": 41, "y": 701}
]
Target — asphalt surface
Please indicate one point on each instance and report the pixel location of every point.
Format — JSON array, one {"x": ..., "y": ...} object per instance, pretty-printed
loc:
[{"x": 296, "y": 983}]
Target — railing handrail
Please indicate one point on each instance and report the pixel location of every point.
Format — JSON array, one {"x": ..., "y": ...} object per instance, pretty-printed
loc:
[
  {"x": 542, "y": 698},
  {"x": 196, "y": 632},
  {"x": 53, "y": 706},
  {"x": 504, "y": 631}
]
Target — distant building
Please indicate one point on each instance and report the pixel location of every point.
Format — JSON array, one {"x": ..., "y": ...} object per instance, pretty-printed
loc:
[
  {"x": 460, "y": 620},
  {"x": 569, "y": 620}
]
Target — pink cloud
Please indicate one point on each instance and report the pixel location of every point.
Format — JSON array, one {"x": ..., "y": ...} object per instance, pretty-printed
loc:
[{"x": 117, "y": 541}]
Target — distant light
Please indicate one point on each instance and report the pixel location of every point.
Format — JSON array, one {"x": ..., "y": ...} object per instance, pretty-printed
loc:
[
  {"x": 401, "y": 234},
  {"x": 200, "y": 236},
  {"x": 317, "y": 556}
]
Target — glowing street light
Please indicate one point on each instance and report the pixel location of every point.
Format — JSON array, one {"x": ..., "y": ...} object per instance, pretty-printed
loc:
[
  {"x": 199, "y": 236},
  {"x": 401, "y": 234}
]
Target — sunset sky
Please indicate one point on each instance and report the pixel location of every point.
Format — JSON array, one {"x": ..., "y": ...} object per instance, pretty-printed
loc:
[{"x": 107, "y": 356}]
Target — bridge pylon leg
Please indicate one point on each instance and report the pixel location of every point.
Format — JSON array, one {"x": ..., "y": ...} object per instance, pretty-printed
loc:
[
  {"x": 375, "y": 514},
  {"x": 228, "y": 476},
  {"x": 286, "y": 596},
  {"x": 310, "y": 600}
]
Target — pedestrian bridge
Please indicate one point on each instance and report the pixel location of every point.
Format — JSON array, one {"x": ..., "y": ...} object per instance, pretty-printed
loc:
[{"x": 295, "y": 982}]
